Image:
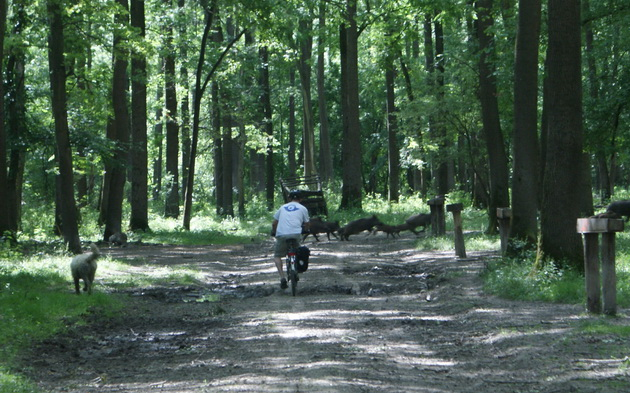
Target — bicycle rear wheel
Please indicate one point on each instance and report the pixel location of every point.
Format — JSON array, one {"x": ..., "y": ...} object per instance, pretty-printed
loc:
[
  {"x": 294, "y": 279},
  {"x": 291, "y": 265}
]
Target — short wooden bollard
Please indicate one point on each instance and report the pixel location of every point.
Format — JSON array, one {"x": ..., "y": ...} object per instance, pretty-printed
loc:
[
  {"x": 590, "y": 228},
  {"x": 460, "y": 247},
  {"x": 438, "y": 222},
  {"x": 504, "y": 216}
]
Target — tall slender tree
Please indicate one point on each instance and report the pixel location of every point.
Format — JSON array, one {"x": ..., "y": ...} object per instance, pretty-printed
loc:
[
  {"x": 266, "y": 122},
  {"x": 442, "y": 173},
  {"x": 158, "y": 143},
  {"x": 119, "y": 127},
  {"x": 525, "y": 179},
  {"x": 171, "y": 207},
  {"x": 497, "y": 156},
  {"x": 139, "y": 183},
  {"x": 200, "y": 88},
  {"x": 198, "y": 93},
  {"x": 185, "y": 98},
  {"x": 325, "y": 155},
  {"x": 291, "y": 150},
  {"x": 56, "y": 64},
  {"x": 304, "y": 68},
  {"x": 605, "y": 153},
  {"x": 4, "y": 197},
  {"x": 351, "y": 190},
  {"x": 16, "y": 113},
  {"x": 393, "y": 151}
]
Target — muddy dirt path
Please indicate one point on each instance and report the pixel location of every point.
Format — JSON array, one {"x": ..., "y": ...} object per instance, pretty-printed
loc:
[{"x": 372, "y": 315}]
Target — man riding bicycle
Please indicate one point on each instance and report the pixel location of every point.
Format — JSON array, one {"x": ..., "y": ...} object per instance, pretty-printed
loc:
[{"x": 288, "y": 222}]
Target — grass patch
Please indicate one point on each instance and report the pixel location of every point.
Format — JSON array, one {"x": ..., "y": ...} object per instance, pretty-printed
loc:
[
  {"x": 604, "y": 327},
  {"x": 520, "y": 280},
  {"x": 10, "y": 383},
  {"x": 475, "y": 241},
  {"x": 204, "y": 231},
  {"x": 119, "y": 275},
  {"x": 37, "y": 301}
]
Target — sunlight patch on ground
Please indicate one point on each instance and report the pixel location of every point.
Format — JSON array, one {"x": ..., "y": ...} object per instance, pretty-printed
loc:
[
  {"x": 264, "y": 383},
  {"x": 508, "y": 335},
  {"x": 290, "y": 332},
  {"x": 497, "y": 311},
  {"x": 408, "y": 354}
]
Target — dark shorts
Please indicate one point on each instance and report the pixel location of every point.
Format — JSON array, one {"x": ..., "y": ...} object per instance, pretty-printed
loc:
[{"x": 280, "y": 249}]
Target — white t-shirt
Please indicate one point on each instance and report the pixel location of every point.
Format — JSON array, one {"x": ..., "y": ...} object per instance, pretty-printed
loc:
[{"x": 290, "y": 218}]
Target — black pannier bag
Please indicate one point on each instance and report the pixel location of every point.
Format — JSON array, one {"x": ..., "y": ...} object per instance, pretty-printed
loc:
[{"x": 301, "y": 255}]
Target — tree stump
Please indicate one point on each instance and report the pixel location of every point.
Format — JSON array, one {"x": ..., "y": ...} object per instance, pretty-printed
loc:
[
  {"x": 460, "y": 247},
  {"x": 504, "y": 217},
  {"x": 590, "y": 228},
  {"x": 438, "y": 221}
]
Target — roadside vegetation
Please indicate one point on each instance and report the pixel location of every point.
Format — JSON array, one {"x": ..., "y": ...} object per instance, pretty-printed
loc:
[{"x": 37, "y": 300}]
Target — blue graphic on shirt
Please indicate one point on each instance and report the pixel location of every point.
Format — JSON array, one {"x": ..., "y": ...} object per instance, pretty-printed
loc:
[{"x": 291, "y": 208}]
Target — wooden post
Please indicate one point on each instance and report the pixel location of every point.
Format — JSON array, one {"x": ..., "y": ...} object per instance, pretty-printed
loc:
[
  {"x": 590, "y": 228},
  {"x": 609, "y": 277},
  {"x": 504, "y": 216},
  {"x": 591, "y": 273},
  {"x": 438, "y": 222},
  {"x": 460, "y": 246}
]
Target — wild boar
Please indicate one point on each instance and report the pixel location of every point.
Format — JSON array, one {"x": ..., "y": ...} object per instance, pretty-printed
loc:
[
  {"x": 357, "y": 226},
  {"x": 620, "y": 208},
  {"x": 418, "y": 220},
  {"x": 320, "y": 226},
  {"x": 118, "y": 239},
  {"x": 390, "y": 230}
]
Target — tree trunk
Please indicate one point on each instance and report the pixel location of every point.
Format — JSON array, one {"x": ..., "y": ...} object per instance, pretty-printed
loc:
[
  {"x": 158, "y": 143},
  {"x": 107, "y": 176},
  {"x": 325, "y": 155},
  {"x": 172, "y": 127},
  {"x": 351, "y": 193},
  {"x": 443, "y": 180},
  {"x": 185, "y": 104},
  {"x": 120, "y": 131},
  {"x": 217, "y": 115},
  {"x": 198, "y": 93},
  {"x": 414, "y": 173},
  {"x": 139, "y": 188},
  {"x": 217, "y": 152},
  {"x": 70, "y": 225},
  {"x": 256, "y": 172},
  {"x": 565, "y": 189},
  {"x": 239, "y": 169},
  {"x": 292, "y": 146},
  {"x": 304, "y": 68},
  {"x": 497, "y": 158},
  {"x": 605, "y": 184},
  {"x": 15, "y": 116},
  {"x": 392, "y": 131},
  {"x": 226, "y": 141},
  {"x": 5, "y": 205},
  {"x": 525, "y": 179},
  {"x": 266, "y": 124}
]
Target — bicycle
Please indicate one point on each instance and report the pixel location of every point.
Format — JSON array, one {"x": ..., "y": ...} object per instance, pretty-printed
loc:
[{"x": 292, "y": 272}]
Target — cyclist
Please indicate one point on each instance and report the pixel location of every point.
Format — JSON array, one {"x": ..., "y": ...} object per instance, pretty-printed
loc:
[{"x": 288, "y": 222}]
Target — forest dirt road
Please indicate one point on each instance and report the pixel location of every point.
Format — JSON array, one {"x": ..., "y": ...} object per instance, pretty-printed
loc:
[{"x": 372, "y": 315}]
